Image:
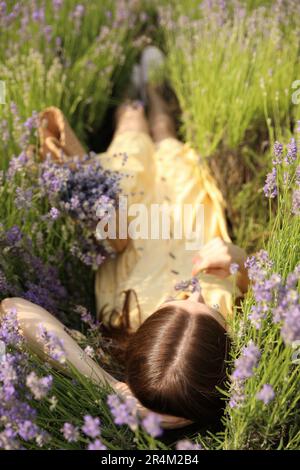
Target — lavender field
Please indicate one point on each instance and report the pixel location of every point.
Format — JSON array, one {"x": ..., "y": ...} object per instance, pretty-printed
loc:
[{"x": 234, "y": 68}]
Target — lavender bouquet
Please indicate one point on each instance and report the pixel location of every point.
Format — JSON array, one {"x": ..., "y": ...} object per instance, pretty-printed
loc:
[{"x": 77, "y": 189}]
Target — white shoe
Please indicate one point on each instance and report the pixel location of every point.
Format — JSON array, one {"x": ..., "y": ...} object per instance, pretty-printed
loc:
[
  {"x": 136, "y": 78},
  {"x": 152, "y": 60}
]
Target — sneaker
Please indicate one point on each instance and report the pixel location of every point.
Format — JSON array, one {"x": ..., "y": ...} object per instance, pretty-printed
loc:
[{"x": 133, "y": 91}]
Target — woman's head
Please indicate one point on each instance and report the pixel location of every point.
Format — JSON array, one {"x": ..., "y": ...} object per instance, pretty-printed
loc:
[{"x": 176, "y": 359}]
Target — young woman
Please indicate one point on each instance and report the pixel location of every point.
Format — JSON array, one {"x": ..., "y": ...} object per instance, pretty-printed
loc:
[{"x": 176, "y": 345}]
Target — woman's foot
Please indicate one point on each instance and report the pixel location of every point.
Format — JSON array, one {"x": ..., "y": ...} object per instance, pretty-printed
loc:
[
  {"x": 130, "y": 114},
  {"x": 161, "y": 121},
  {"x": 151, "y": 69}
]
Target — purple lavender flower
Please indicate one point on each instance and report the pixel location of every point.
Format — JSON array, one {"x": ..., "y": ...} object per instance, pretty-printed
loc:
[
  {"x": 57, "y": 4},
  {"x": 39, "y": 387},
  {"x": 13, "y": 235},
  {"x": 267, "y": 286},
  {"x": 266, "y": 394},
  {"x": 53, "y": 178},
  {"x": 270, "y": 187},
  {"x": 70, "y": 432},
  {"x": 89, "y": 253},
  {"x": 3, "y": 8},
  {"x": 54, "y": 213},
  {"x": 16, "y": 165},
  {"x": 48, "y": 30},
  {"x": 237, "y": 396},
  {"x": 258, "y": 265},
  {"x": 257, "y": 314},
  {"x": 86, "y": 317},
  {"x": 151, "y": 424},
  {"x": 79, "y": 11},
  {"x": 8, "y": 440},
  {"x": 291, "y": 152},
  {"x": 290, "y": 330},
  {"x": 233, "y": 269},
  {"x": 104, "y": 208},
  {"x": 23, "y": 198},
  {"x": 246, "y": 363},
  {"x": 96, "y": 445},
  {"x": 17, "y": 415},
  {"x": 186, "y": 444},
  {"x": 40, "y": 295},
  {"x": 39, "y": 15},
  {"x": 53, "y": 346},
  {"x": 4, "y": 129},
  {"x": 42, "y": 438},
  {"x": 32, "y": 122},
  {"x": 91, "y": 426},
  {"x": 278, "y": 152},
  {"x": 192, "y": 285},
  {"x": 28, "y": 430},
  {"x": 89, "y": 351},
  {"x": 195, "y": 285},
  {"x": 124, "y": 412},
  {"x": 296, "y": 202},
  {"x": 10, "y": 328}
]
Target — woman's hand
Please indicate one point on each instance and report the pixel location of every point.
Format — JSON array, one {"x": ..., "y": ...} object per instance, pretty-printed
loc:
[{"x": 216, "y": 257}]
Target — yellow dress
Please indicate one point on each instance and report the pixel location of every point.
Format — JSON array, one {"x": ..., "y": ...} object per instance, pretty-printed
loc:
[{"x": 169, "y": 172}]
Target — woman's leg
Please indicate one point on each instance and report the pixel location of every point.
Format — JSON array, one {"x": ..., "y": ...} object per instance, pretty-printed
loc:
[
  {"x": 130, "y": 116},
  {"x": 161, "y": 122}
]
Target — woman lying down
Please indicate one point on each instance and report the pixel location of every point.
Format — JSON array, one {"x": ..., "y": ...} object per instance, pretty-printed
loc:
[{"x": 179, "y": 343}]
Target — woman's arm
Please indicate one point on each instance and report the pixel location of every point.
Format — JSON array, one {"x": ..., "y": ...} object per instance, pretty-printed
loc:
[
  {"x": 30, "y": 316},
  {"x": 217, "y": 256}
]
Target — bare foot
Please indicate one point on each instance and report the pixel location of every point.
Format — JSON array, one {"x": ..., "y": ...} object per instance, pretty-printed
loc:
[{"x": 161, "y": 121}]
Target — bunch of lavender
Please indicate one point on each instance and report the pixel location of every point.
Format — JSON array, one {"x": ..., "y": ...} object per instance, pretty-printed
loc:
[{"x": 79, "y": 188}]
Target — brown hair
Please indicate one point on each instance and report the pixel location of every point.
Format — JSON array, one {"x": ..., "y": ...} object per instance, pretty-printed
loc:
[{"x": 175, "y": 361}]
